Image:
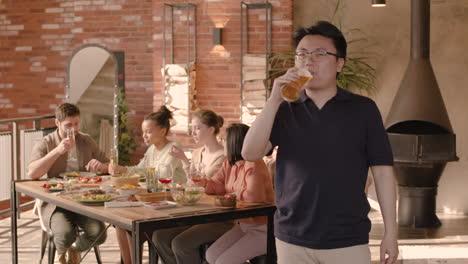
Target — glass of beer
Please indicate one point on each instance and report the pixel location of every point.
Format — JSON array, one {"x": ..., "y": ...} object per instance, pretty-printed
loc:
[
  {"x": 292, "y": 90},
  {"x": 70, "y": 132}
]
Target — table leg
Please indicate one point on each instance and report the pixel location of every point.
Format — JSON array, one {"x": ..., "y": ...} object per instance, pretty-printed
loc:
[
  {"x": 14, "y": 226},
  {"x": 136, "y": 244},
  {"x": 271, "y": 247}
]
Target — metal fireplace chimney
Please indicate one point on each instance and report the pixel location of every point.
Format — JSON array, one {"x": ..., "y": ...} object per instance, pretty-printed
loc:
[{"x": 419, "y": 129}]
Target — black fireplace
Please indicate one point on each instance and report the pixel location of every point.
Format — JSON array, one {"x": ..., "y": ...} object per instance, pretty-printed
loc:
[{"x": 419, "y": 129}]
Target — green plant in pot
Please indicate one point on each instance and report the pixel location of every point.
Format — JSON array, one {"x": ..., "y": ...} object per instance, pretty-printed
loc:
[{"x": 127, "y": 144}]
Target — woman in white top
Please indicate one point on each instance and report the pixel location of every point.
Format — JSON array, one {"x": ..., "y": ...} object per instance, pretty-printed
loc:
[
  {"x": 181, "y": 244},
  {"x": 205, "y": 127},
  {"x": 155, "y": 128}
]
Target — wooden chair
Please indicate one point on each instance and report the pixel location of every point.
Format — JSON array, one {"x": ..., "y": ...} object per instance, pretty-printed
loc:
[{"x": 47, "y": 238}]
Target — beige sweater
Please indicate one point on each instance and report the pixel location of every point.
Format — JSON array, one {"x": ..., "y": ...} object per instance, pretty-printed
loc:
[{"x": 86, "y": 148}]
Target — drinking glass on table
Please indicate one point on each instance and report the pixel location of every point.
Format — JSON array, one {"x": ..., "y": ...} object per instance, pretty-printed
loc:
[
  {"x": 113, "y": 156},
  {"x": 151, "y": 180},
  {"x": 165, "y": 177},
  {"x": 196, "y": 172}
]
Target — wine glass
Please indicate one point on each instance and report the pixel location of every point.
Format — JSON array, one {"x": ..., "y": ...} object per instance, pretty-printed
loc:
[
  {"x": 165, "y": 177},
  {"x": 196, "y": 172}
]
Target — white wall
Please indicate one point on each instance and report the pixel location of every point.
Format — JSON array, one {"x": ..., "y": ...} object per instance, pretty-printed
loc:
[{"x": 84, "y": 67}]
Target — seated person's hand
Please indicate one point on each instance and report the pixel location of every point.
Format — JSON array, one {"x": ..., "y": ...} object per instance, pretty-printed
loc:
[
  {"x": 65, "y": 145},
  {"x": 200, "y": 183},
  {"x": 96, "y": 165},
  {"x": 178, "y": 153},
  {"x": 115, "y": 169}
]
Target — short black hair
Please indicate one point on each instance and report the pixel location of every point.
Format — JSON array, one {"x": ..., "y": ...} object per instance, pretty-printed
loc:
[
  {"x": 235, "y": 135},
  {"x": 325, "y": 29},
  {"x": 162, "y": 118},
  {"x": 66, "y": 110}
]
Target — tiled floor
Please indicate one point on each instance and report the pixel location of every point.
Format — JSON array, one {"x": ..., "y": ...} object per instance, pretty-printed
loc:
[{"x": 445, "y": 245}]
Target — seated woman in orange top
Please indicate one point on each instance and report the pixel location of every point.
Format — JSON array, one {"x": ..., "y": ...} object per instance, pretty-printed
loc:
[{"x": 251, "y": 182}]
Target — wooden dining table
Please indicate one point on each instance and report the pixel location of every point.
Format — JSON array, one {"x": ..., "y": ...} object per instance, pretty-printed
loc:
[{"x": 142, "y": 221}]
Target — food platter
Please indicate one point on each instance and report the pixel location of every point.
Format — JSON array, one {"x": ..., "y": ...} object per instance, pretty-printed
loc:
[
  {"x": 75, "y": 174},
  {"x": 93, "y": 197},
  {"x": 53, "y": 187}
]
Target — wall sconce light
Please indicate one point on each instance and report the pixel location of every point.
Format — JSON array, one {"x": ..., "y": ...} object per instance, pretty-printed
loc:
[
  {"x": 378, "y": 3},
  {"x": 217, "y": 36}
]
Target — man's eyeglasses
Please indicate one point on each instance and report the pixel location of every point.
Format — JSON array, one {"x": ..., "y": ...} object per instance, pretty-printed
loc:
[{"x": 317, "y": 55}]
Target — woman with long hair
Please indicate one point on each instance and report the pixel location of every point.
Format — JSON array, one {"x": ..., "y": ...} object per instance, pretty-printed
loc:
[
  {"x": 209, "y": 156},
  {"x": 250, "y": 182}
]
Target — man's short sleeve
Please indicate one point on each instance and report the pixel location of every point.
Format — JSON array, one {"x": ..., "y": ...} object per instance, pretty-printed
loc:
[
  {"x": 39, "y": 150},
  {"x": 378, "y": 147}
]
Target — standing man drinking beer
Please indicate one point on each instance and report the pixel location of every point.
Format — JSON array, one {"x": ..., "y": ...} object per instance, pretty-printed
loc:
[{"x": 327, "y": 140}]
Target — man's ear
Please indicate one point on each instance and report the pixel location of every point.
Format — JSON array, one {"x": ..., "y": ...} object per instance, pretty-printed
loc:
[
  {"x": 57, "y": 123},
  {"x": 340, "y": 64}
]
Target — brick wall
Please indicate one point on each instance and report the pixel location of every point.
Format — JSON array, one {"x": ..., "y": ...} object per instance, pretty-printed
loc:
[{"x": 38, "y": 36}]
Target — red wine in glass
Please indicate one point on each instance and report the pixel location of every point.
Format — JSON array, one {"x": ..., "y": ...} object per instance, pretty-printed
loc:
[
  {"x": 165, "y": 180},
  {"x": 196, "y": 179}
]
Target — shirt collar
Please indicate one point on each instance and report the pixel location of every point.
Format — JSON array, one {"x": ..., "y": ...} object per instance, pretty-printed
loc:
[{"x": 341, "y": 95}]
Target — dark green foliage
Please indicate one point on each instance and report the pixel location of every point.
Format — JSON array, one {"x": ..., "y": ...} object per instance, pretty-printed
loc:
[{"x": 127, "y": 144}]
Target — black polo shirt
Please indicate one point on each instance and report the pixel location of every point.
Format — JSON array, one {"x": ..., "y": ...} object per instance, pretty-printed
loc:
[{"x": 322, "y": 164}]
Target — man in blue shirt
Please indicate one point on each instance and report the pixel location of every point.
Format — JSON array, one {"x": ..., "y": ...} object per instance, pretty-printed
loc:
[{"x": 327, "y": 141}]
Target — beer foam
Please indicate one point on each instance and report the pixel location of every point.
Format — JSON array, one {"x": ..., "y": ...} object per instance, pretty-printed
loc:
[{"x": 304, "y": 72}]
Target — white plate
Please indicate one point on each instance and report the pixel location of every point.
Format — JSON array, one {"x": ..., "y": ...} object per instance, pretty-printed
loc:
[
  {"x": 160, "y": 204},
  {"x": 53, "y": 190},
  {"x": 82, "y": 174},
  {"x": 93, "y": 202}
]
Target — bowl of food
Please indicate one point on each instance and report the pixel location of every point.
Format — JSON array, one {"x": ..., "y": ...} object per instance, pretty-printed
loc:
[
  {"x": 128, "y": 189},
  {"x": 121, "y": 180},
  {"x": 227, "y": 200},
  {"x": 96, "y": 191},
  {"x": 187, "y": 195},
  {"x": 106, "y": 188}
]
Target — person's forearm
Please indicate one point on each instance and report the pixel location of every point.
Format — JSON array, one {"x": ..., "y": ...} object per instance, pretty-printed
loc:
[
  {"x": 41, "y": 166},
  {"x": 257, "y": 138},
  {"x": 386, "y": 194}
]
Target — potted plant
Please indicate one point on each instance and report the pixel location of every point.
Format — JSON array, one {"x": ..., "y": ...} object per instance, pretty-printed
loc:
[{"x": 127, "y": 144}]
